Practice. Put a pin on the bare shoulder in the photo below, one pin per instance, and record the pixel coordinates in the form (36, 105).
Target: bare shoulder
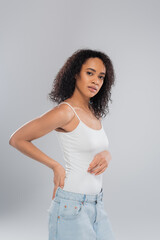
(58, 116)
(55, 118)
(65, 112)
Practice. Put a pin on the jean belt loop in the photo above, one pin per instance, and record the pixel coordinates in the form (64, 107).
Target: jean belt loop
(102, 196)
(84, 198)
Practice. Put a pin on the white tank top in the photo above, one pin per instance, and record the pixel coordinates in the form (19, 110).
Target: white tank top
(79, 148)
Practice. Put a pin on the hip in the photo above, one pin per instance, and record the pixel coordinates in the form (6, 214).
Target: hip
(78, 216)
(83, 183)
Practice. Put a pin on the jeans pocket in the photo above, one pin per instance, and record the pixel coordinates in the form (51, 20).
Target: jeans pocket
(52, 220)
(69, 209)
(52, 206)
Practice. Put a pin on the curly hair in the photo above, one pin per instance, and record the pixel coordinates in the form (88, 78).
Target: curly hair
(64, 83)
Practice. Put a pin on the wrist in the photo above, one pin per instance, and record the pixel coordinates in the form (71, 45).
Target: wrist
(54, 165)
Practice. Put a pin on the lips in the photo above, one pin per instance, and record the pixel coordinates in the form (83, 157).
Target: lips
(93, 88)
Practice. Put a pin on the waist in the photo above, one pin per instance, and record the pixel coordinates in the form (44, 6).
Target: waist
(83, 182)
(61, 193)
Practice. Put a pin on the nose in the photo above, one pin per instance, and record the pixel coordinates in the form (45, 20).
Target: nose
(95, 80)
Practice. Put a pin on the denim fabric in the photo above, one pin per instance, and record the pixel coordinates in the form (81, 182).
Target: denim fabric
(76, 216)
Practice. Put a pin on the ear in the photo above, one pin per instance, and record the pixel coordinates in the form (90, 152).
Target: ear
(76, 76)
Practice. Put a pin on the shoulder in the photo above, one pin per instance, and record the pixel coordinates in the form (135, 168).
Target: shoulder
(65, 110)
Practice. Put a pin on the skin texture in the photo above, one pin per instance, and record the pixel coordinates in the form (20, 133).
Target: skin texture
(62, 118)
(88, 77)
(64, 81)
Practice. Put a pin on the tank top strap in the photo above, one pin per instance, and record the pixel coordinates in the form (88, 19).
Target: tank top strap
(72, 109)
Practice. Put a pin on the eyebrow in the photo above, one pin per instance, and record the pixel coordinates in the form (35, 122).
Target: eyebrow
(95, 70)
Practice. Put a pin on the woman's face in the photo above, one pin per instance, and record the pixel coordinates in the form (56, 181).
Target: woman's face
(91, 77)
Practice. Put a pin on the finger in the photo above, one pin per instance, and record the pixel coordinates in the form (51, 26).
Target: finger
(54, 192)
(94, 169)
(94, 165)
(53, 196)
(97, 166)
(61, 183)
(101, 171)
(98, 169)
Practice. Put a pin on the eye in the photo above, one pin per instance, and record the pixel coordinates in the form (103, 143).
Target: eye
(102, 77)
(92, 73)
(88, 73)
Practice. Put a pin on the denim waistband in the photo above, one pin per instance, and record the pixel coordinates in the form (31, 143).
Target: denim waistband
(60, 193)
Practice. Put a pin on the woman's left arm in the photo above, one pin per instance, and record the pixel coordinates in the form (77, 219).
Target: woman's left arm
(100, 162)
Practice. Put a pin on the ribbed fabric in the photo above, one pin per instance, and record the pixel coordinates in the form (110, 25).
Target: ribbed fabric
(79, 148)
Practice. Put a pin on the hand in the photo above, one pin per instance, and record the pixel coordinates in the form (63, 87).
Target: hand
(100, 162)
(59, 177)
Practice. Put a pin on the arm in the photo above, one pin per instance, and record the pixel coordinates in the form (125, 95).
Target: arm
(100, 162)
(36, 128)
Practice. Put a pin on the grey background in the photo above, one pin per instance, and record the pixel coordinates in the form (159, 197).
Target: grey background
(36, 39)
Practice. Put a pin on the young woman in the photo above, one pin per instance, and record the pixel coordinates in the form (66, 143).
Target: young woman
(82, 89)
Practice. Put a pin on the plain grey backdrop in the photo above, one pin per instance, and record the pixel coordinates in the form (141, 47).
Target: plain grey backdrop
(36, 39)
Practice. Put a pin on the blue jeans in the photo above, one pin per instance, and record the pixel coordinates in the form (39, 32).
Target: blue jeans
(76, 216)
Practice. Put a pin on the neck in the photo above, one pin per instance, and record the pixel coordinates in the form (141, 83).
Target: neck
(80, 101)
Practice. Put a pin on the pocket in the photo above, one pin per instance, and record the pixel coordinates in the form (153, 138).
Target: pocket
(69, 209)
(53, 206)
(52, 220)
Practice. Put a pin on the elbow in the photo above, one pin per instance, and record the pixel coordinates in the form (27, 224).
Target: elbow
(13, 141)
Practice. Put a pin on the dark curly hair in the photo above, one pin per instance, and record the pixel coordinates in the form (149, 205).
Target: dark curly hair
(64, 82)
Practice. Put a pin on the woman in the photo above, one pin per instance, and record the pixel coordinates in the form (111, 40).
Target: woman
(82, 90)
